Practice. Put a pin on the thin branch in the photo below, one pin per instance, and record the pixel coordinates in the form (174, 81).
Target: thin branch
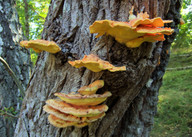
(8, 115)
(182, 55)
(14, 77)
(36, 12)
(179, 68)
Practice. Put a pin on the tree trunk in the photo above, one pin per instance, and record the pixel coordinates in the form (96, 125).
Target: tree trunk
(68, 24)
(17, 58)
(139, 117)
(26, 7)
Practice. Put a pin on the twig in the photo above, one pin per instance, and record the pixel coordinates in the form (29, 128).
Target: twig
(12, 74)
(8, 114)
(179, 68)
(182, 55)
(36, 12)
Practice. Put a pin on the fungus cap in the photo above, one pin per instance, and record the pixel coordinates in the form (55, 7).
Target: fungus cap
(124, 32)
(79, 111)
(61, 115)
(69, 117)
(57, 122)
(41, 45)
(95, 64)
(82, 100)
(91, 88)
(25, 44)
(94, 118)
(150, 38)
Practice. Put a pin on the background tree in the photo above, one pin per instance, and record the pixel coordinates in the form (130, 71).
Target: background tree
(184, 38)
(18, 59)
(67, 24)
(32, 15)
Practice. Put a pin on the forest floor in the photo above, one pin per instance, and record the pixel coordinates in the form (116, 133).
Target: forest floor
(174, 116)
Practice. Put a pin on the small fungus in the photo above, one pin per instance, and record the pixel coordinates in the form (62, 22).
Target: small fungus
(137, 28)
(95, 64)
(41, 45)
(82, 100)
(94, 118)
(91, 88)
(182, 21)
(79, 111)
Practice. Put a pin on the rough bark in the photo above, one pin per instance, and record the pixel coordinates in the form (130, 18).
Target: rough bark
(67, 24)
(17, 58)
(139, 117)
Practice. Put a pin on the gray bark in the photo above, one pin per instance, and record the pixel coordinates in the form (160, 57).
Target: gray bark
(67, 24)
(139, 117)
(17, 58)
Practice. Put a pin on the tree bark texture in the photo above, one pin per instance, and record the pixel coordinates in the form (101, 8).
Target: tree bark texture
(68, 24)
(17, 58)
(139, 117)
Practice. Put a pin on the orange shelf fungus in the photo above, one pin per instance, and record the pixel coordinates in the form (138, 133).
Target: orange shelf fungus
(91, 88)
(138, 28)
(41, 45)
(81, 100)
(60, 123)
(94, 118)
(95, 64)
(69, 117)
(60, 114)
(79, 111)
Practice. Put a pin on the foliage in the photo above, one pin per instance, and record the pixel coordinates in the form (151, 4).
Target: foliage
(33, 56)
(174, 117)
(38, 10)
(37, 13)
(184, 38)
(8, 112)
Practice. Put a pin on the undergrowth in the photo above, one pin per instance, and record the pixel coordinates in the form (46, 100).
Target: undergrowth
(174, 116)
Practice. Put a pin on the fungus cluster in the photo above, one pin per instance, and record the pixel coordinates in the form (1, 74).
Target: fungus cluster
(41, 45)
(77, 109)
(133, 33)
(95, 64)
(86, 106)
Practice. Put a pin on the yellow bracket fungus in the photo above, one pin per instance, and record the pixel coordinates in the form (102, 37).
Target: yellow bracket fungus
(61, 115)
(69, 117)
(91, 88)
(137, 29)
(57, 122)
(82, 100)
(95, 64)
(41, 45)
(79, 111)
